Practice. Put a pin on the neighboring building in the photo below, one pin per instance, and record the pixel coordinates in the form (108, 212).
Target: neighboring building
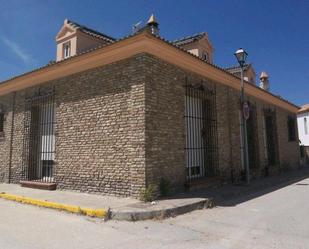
(249, 72)
(114, 116)
(74, 39)
(198, 45)
(303, 130)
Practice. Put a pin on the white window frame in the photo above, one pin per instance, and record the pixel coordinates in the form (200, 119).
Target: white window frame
(66, 50)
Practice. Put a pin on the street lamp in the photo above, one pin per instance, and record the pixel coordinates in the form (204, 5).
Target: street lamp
(241, 56)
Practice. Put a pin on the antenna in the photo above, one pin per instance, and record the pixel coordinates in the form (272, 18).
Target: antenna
(136, 27)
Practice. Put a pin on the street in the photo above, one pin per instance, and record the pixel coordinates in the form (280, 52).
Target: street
(278, 219)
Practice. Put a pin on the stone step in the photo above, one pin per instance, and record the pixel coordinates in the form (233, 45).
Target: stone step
(39, 185)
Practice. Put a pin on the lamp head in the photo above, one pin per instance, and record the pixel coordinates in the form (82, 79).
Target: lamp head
(241, 56)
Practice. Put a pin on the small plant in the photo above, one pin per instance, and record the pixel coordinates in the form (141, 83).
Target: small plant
(149, 194)
(165, 186)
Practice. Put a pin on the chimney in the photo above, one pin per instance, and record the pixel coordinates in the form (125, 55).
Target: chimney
(264, 82)
(153, 25)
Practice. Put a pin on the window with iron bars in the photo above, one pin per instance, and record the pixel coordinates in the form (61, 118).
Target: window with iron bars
(39, 137)
(1, 122)
(201, 132)
(291, 128)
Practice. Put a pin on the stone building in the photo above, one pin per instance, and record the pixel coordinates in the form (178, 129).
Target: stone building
(113, 116)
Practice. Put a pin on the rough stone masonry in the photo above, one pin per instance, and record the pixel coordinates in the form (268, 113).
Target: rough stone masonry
(120, 128)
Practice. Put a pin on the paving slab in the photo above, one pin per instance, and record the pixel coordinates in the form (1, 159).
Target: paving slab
(118, 208)
(132, 209)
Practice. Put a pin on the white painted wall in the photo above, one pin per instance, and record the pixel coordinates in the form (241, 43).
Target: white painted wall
(303, 137)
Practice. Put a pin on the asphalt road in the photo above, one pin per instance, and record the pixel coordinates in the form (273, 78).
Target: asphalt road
(278, 219)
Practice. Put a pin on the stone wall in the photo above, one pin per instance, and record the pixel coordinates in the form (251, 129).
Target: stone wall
(5, 137)
(165, 124)
(165, 128)
(99, 132)
(228, 116)
(289, 151)
(121, 127)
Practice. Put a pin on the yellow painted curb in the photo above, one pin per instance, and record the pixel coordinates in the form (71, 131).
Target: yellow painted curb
(99, 213)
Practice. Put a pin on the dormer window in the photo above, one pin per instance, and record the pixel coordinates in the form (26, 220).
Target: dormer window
(66, 50)
(205, 56)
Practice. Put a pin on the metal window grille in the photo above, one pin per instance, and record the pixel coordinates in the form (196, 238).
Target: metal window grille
(291, 123)
(271, 137)
(39, 138)
(201, 132)
(1, 122)
(253, 140)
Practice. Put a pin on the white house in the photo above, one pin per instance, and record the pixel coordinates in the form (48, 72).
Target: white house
(303, 129)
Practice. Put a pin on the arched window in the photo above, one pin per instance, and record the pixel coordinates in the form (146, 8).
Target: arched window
(205, 56)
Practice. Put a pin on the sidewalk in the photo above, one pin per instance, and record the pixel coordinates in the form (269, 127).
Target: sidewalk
(233, 194)
(116, 208)
(133, 209)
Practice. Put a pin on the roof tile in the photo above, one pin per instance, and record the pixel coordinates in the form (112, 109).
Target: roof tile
(189, 39)
(91, 32)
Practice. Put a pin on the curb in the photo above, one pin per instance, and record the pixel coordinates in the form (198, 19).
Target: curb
(113, 215)
(162, 213)
(98, 213)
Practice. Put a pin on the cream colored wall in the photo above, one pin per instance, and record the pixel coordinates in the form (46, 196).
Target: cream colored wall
(205, 45)
(199, 47)
(193, 48)
(80, 42)
(85, 42)
(251, 76)
(73, 40)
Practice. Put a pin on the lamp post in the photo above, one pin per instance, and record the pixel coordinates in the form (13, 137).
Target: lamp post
(241, 56)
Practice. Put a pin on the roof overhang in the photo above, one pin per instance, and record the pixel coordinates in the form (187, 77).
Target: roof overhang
(143, 42)
(304, 109)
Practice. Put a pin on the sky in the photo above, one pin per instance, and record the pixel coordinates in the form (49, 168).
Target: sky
(275, 33)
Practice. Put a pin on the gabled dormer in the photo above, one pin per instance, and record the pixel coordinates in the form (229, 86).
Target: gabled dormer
(198, 45)
(249, 72)
(73, 39)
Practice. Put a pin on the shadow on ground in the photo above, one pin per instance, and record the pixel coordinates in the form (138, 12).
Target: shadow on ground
(232, 195)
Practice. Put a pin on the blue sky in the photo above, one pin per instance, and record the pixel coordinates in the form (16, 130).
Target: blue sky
(274, 32)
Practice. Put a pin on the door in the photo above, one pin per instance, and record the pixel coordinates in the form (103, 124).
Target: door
(271, 138)
(200, 147)
(252, 138)
(39, 139)
(47, 141)
(195, 153)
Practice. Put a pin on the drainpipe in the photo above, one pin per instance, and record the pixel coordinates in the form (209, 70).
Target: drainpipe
(12, 135)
